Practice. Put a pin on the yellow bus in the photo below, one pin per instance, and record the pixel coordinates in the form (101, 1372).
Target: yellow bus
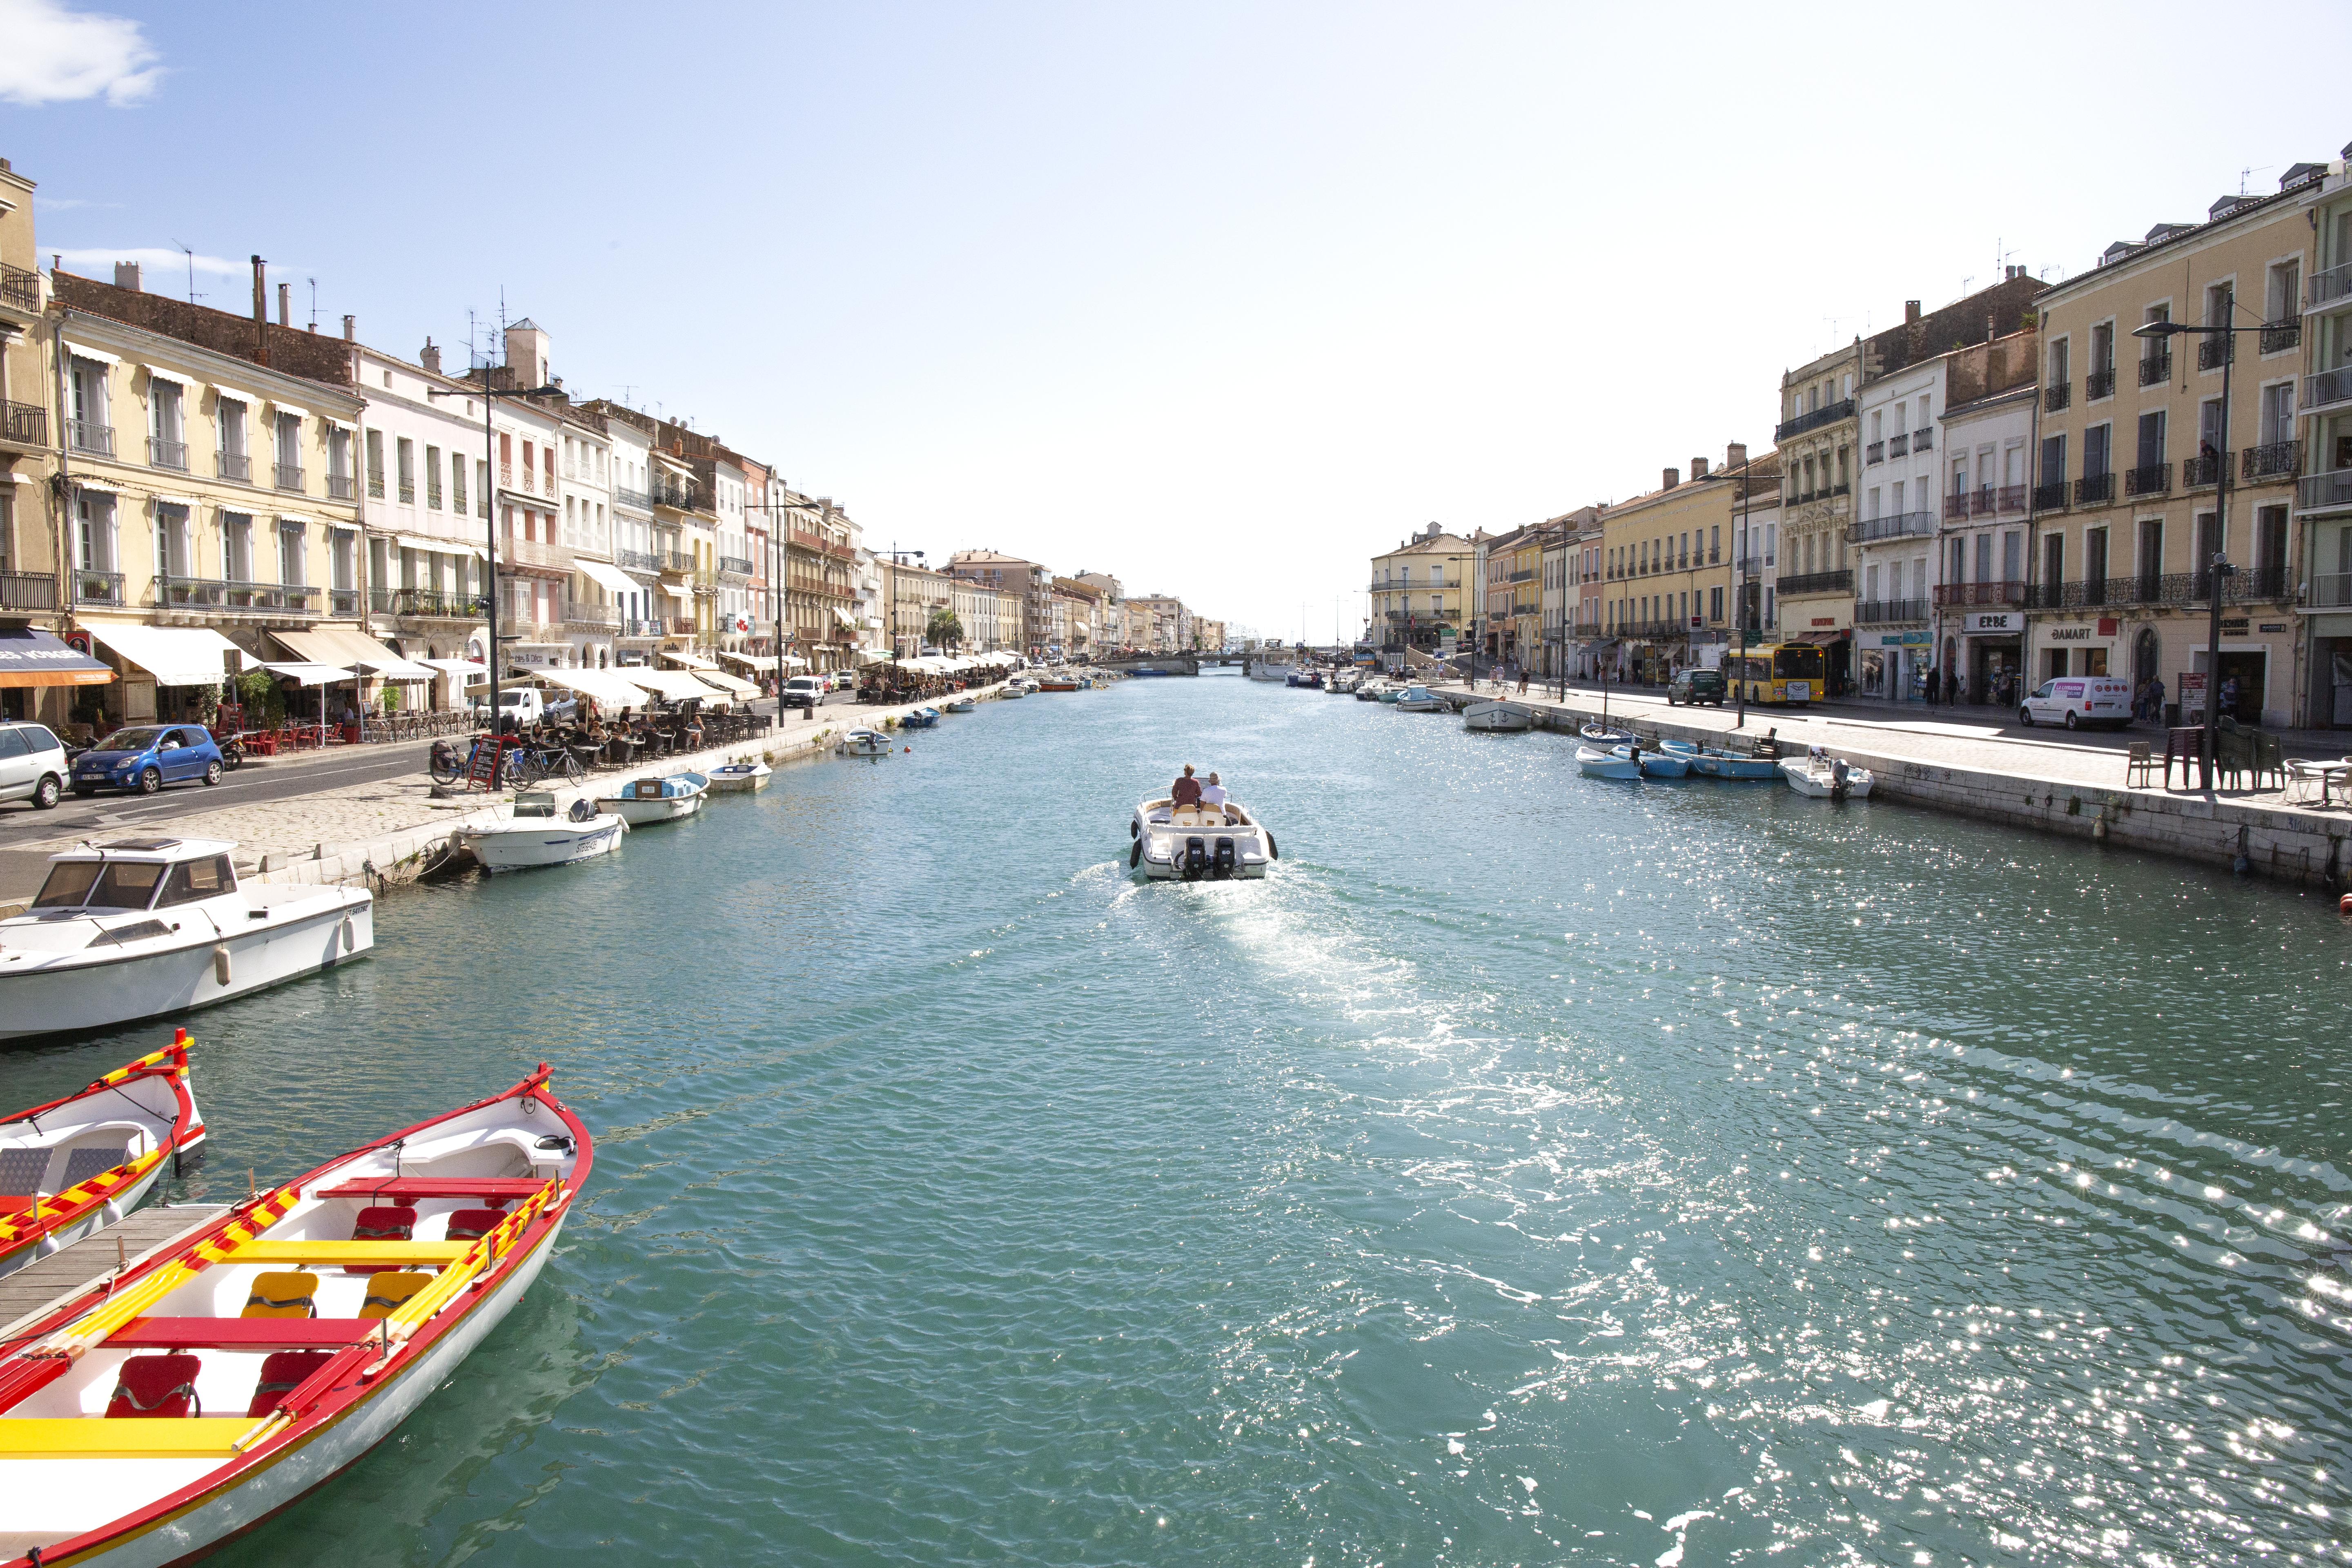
(1779, 673)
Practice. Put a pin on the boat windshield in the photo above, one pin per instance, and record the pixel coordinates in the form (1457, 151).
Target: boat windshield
(131, 740)
(102, 885)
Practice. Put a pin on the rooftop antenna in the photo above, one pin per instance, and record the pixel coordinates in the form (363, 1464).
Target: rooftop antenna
(191, 271)
(2245, 176)
(314, 304)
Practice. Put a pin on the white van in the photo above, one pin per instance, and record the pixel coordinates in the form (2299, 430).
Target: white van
(2078, 700)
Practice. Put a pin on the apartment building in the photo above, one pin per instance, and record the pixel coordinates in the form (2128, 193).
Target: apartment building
(1083, 614)
(1112, 613)
(2323, 494)
(1556, 633)
(2140, 485)
(29, 524)
(1424, 592)
(424, 501)
(1494, 628)
(1757, 484)
(1668, 560)
(914, 594)
(1025, 590)
(976, 610)
(642, 615)
(1587, 588)
(1976, 564)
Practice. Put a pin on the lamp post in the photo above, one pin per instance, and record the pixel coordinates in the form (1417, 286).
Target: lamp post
(779, 585)
(2218, 570)
(1740, 679)
(488, 396)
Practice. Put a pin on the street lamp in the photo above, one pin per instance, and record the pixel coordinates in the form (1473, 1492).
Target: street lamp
(489, 393)
(1740, 677)
(780, 586)
(2218, 570)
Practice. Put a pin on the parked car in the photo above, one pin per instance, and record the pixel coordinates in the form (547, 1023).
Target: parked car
(1697, 686)
(806, 688)
(33, 764)
(2076, 701)
(146, 757)
(844, 680)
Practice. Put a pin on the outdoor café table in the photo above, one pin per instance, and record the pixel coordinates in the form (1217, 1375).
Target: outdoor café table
(2331, 775)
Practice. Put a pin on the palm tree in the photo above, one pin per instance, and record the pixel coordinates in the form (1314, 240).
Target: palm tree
(945, 629)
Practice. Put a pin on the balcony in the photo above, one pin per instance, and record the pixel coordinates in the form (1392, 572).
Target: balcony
(538, 555)
(20, 289)
(1885, 612)
(235, 466)
(2328, 386)
(2201, 473)
(162, 454)
(2257, 585)
(27, 591)
(1898, 446)
(677, 561)
(2095, 489)
(408, 493)
(2051, 497)
(2331, 490)
(339, 487)
(2004, 498)
(1995, 594)
(230, 595)
(375, 487)
(678, 626)
(628, 497)
(83, 435)
(637, 560)
(1923, 440)
(1840, 581)
(588, 617)
(2280, 336)
(96, 587)
(23, 424)
(1901, 525)
(1829, 414)
(2156, 369)
(2332, 591)
(1874, 453)
(2278, 460)
(2215, 351)
(676, 496)
(2099, 383)
(638, 630)
(2057, 396)
(2148, 479)
(425, 605)
(734, 566)
(1840, 489)
(288, 476)
(1955, 507)
(2327, 287)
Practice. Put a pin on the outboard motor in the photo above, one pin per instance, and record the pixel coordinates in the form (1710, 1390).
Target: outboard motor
(1196, 857)
(1224, 861)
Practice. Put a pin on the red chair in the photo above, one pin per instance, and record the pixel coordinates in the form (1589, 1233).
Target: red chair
(383, 1222)
(282, 1373)
(157, 1385)
(472, 1225)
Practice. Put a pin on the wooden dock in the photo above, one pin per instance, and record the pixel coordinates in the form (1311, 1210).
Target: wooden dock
(36, 1289)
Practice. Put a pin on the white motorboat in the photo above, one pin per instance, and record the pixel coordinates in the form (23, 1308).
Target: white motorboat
(741, 778)
(1612, 764)
(136, 928)
(539, 834)
(960, 705)
(1198, 843)
(644, 801)
(1497, 717)
(1821, 778)
(1013, 689)
(875, 743)
(80, 1163)
(1420, 700)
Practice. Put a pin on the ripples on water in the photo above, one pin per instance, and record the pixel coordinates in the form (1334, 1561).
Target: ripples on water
(1533, 1169)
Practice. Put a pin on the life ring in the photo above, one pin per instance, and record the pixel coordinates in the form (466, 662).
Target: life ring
(1135, 856)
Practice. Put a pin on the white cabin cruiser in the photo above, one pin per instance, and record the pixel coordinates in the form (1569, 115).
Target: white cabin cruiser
(1820, 777)
(874, 742)
(136, 928)
(642, 800)
(1493, 716)
(537, 834)
(1198, 843)
(741, 778)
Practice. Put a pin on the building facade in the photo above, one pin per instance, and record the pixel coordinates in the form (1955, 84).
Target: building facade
(2324, 492)
(31, 520)
(1980, 555)
(1669, 565)
(1425, 592)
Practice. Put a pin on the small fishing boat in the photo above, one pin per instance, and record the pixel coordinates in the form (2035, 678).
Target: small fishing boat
(539, 835)
(1496, 717)
(1607, 735)
(1710, 761)
(1198, 843)
(1655, 764)
(1598, 763)
(864, 744)
(921, 719)
(1058, 683)
(1013, 688)
(1420, 700)
(166, 1409)
(135, 928)
(1371, 689)
(645, 801)
(76, 1165)
(1821, 778)
(962, 705)
(741, 778)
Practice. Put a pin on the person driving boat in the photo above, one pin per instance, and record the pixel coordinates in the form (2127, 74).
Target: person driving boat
(1186, 791)
(1214, 792)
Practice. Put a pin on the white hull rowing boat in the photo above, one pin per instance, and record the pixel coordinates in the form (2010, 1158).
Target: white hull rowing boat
(1600, 765)
(875, 743)
(1813, 778)
(1494, 717)
(77, 1164)
(644, 801)
(112, 937)
(526, 843)
(741, 778)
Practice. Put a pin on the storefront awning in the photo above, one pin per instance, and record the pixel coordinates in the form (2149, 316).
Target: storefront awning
(467, 671)
(732, 685)
(682, 594)
(424, 545)
(688, 660)
(30, 657)
(344, 646)
(612, 579)
(873, 655)
(675, 684)
(608, 688)
(307, 674)
(174, 656)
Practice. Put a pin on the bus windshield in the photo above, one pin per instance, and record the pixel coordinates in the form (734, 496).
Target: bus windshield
(1797, 661)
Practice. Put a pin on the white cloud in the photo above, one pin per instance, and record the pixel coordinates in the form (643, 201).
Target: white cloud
(58, 55)
(68, 203)
(155, 260)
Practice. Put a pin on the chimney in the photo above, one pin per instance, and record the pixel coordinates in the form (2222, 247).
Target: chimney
(260, 310)
(285, 305)
(1735, 454)
(1674, 477)
(1698, 467)
(1910, 312)
(430, 358)
(126, 276)
(350, 328)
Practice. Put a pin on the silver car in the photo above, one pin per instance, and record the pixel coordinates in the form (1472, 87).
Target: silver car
(32, 764)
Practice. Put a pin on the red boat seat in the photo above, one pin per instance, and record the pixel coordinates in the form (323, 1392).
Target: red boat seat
(281, 1374)
(157, 1385)
(492, 1190)
(390, 1290)
(382, 1222)
(472, 1225)
(283, 1296)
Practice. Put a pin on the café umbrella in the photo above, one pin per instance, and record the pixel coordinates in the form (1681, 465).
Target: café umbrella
(319, 675)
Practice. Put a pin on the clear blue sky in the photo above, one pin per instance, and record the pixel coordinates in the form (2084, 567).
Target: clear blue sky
(1220, 299)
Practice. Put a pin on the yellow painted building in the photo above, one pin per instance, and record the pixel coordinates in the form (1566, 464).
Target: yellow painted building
(1667, 569)
(1422, 592)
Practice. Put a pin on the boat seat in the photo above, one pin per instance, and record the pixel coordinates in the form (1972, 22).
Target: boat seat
(492, 1190)
(282, 1373)
(283, 1296)
(21, 1171)
(81, 1164)
(388, 1292)
(472, 1225)
(382, 1222)
(157, 1385)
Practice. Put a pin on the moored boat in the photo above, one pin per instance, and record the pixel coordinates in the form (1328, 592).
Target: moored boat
(962, 705)
(1823, 778)
(168, 1407)
(1058, 683)
(873, 743)
(1597, 763)
(1013, 689)
(1198, 843)
(1656, 764)
(135, 928)
(539, 834)
(1420, 700)
(81, 1163)
(1608, 735)
(741, 778)
(1494, 716)
(920, 718)
(649, 800)
(1710, 761)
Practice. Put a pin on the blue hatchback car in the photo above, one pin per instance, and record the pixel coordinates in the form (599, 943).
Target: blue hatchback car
(146, 757)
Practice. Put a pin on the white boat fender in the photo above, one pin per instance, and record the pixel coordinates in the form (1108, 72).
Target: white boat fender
(220, 963)
(351, 939)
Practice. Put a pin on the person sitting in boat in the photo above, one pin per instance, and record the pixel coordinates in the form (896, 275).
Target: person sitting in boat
(1186, 791)
(1214, 792)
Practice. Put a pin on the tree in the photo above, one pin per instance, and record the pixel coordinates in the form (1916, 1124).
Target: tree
(945, 629)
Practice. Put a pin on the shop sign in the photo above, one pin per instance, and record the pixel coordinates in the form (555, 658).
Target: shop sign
(1902, 639)
(2190, 685)
(1825, 620)
(2068, 634)
(2274, 625)
(2234, 628)
(1983, 621)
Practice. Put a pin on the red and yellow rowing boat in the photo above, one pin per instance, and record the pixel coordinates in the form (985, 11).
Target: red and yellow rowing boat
(77, 1164)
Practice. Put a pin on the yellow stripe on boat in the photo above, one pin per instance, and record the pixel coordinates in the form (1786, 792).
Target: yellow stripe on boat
(352, 1252)
(418, 1309)
(96, 1437)
(124, 1306)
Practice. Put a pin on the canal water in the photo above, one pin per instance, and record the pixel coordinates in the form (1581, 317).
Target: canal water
(1533, 1169)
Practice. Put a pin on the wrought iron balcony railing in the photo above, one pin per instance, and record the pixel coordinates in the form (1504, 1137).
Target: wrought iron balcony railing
(2051, 497)
(2148, 479)
(1874, 453)
(2280, 336)
(2156, 369)
(2217, 350)
(1950, 595)
(427, 604)
(89, 436)
(289, 475)
(2278, 460)
(27, 591)
(593, 617)
(1898, 446)
(97, 587)
(1901, 525)
(734, 565)
(230, 595)
(2092, 489)
(1828, 414)
(237, 466)
(1956, 505)
(25, 424)
(635, 498)
(375, 487)
(2099, 383)
(640, 559)
(20, 287)
(1923, 440)
(2201, 472)
(1840, 581)
(2246, 586)
(2057, 396)
(339, 487)
(162, 454)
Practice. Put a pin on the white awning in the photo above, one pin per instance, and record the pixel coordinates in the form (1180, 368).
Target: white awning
(873, 655)
(99, 485)
(233, 394)
(674, 684)
(690, 661)
(683, 595)
(794, 661)
(466, 670)
(747, 660)
(174, 656)
(397, 669)
(609, 688)
(295, 517)
(173, 376)
(612, 577)
(310, 674)
(844, 617)
(349, 645)
(424, 545)
(188, 501)
(733, 685)
(284, 407)
(100, 355)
